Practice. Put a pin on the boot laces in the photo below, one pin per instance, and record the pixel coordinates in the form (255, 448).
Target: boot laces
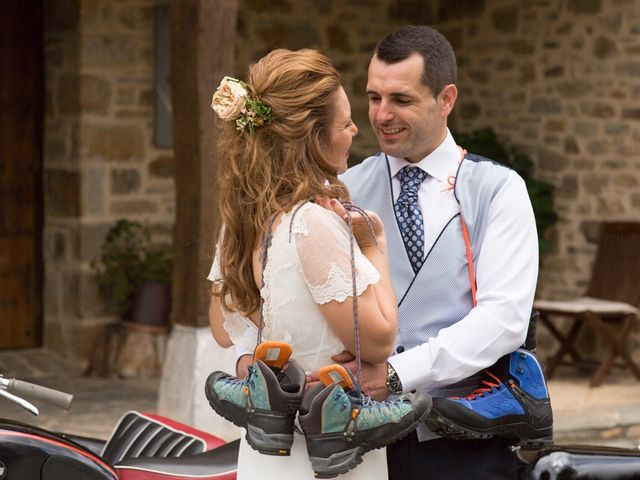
(485, 387)
(235, 382)
(366, 402)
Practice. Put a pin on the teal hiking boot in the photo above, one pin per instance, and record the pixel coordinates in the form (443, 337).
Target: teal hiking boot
(341, 424)
(265, 402)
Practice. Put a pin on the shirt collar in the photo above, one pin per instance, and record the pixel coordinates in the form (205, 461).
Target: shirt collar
(440, 164)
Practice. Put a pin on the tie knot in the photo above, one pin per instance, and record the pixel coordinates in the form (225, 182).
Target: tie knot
(411, 177)
(410, 180)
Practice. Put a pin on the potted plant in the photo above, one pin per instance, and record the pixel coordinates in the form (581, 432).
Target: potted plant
(152, 299)
(134, 274)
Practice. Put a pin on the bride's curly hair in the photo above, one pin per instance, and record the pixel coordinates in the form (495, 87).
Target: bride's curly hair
(278, 165)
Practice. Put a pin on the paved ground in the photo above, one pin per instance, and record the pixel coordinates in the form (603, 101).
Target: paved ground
(98, 402)
(608, 415)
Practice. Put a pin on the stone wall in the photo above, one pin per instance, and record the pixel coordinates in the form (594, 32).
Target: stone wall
(561, 81)
(100, 160)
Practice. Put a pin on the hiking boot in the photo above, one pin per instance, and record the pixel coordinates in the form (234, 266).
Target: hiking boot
(265, 402)
(341, 424)
(512, 402)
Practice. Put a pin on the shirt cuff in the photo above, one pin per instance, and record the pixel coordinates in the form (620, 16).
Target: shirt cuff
(407, 366)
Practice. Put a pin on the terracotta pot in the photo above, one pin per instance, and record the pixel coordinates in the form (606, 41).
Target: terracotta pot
(152, 304)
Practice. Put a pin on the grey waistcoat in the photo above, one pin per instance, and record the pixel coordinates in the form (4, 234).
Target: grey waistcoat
(439, 295)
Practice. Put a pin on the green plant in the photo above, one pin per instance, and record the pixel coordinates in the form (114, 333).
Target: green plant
(485, 142)
(156, 266)
(127, 260)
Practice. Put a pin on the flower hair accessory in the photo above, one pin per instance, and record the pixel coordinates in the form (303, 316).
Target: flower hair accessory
(232, 101)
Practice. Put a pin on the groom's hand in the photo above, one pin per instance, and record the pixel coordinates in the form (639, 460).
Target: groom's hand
(374, 375)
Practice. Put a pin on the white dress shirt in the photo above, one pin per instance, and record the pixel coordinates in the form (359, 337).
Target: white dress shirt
(506, 276)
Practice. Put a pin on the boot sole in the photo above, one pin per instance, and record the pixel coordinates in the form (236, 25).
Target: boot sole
(341, 462)
(278, 444)
(521, 434)
(233, 413)
(337, 464)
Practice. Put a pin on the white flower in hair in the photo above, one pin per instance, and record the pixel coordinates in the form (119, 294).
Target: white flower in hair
(229, 99)
(232, 101)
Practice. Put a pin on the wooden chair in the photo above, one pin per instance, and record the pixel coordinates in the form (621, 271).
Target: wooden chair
(610, 307)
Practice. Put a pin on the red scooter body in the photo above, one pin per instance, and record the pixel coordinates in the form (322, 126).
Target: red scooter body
(142, 446)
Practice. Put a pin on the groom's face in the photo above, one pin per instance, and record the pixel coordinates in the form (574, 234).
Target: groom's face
(407, 119)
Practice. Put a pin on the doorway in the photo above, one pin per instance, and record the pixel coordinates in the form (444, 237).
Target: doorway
(21, 134)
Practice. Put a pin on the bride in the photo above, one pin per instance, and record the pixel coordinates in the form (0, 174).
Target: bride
(286, 137)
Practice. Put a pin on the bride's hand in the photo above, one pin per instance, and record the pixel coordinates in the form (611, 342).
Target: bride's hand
(361, 229)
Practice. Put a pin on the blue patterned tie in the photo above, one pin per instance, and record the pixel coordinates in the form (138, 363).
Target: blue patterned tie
(409, 215)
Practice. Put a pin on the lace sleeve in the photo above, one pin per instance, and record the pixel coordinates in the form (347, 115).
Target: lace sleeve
(242, 331)
(322, 240)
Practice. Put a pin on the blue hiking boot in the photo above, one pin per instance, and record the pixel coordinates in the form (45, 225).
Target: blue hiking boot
(512, 402)
(340, 424)
(265, 402)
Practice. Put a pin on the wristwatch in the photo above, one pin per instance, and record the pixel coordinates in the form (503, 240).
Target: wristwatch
(393, 381)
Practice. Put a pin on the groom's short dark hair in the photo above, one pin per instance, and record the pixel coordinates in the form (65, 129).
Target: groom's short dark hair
(440, 67)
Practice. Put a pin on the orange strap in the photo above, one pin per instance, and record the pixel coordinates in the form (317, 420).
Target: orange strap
(467, 245)
(472, 273)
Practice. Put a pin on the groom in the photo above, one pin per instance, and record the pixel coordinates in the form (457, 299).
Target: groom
(439, 208)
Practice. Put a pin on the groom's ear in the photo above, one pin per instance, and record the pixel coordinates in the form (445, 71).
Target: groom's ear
(447, 99)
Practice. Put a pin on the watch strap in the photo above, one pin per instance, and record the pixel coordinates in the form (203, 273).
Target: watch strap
(394, 385)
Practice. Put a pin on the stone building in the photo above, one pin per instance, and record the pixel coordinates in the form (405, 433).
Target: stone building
(559, 79)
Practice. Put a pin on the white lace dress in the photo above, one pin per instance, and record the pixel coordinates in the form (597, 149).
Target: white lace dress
(309, 264)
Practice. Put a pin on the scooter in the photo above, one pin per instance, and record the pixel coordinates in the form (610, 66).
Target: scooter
(142, 446)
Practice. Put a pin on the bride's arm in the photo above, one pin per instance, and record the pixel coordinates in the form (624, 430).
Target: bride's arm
(324, 251)
(377, 331)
